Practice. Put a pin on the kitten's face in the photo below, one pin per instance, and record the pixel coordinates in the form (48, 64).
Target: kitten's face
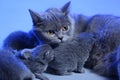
(53, 26)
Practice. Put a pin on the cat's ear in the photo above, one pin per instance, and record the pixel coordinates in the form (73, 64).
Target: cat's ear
(66, 8)
(35, 17)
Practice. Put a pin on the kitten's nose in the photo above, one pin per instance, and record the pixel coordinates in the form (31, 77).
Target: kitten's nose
(60, 38)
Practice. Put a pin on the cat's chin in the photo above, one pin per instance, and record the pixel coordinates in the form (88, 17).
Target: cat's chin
(56, 42)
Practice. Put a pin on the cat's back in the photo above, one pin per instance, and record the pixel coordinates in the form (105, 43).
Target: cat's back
(18, 40)
(100, 22)
(105, 27)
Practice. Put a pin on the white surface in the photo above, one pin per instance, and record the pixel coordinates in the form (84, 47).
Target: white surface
(88, 75)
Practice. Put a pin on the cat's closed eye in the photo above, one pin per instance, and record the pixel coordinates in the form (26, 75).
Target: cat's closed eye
(65, 28)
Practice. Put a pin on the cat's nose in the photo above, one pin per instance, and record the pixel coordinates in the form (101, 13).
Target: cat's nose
(60, 38)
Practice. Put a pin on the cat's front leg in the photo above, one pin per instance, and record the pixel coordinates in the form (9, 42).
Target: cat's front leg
(80, 68)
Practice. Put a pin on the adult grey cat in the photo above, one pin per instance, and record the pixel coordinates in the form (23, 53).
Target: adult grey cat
(12, 68)
(106, 28)
(56, 26)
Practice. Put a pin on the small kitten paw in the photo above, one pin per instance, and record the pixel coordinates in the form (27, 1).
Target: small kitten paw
(41, 76)
(67, 73)
(80, 71)
(26, 53)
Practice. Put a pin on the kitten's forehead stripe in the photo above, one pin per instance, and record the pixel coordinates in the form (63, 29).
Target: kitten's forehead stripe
(55, 19)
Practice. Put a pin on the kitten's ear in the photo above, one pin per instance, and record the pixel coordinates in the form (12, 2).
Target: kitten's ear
(35, 17)
(66, 8)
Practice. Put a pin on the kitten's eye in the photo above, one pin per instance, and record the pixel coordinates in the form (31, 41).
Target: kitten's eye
(65, 28)
(50, 32)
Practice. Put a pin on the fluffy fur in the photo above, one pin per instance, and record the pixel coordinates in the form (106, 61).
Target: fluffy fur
(19, 40)
(106, 28)
(71, 56)
(53, 26)
(37, 59)
(12, 68)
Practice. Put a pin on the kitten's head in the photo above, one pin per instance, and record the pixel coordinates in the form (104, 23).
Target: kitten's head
(54, 25)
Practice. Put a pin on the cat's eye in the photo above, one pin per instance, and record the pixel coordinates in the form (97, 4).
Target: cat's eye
(50, 32)
(65, 28)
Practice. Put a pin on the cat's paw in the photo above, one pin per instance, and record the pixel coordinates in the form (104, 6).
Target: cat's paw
(41, 76)
(67, 73)
(80, 70)
(56, 71)
(26, 53)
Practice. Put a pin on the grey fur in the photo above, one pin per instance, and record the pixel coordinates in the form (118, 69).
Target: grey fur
(110, 66)
(106, 28)
(37, 59)
(53, 20)
(118, 62)
(12, 68)
(17, 40)
(71, 56)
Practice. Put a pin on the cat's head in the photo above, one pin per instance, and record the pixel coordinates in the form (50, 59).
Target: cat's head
(54, 25)
(41, 57)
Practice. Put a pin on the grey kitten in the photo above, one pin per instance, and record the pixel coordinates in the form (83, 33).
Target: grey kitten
(11, 68)
(37, 59)
(53, 26)
(72, 55)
